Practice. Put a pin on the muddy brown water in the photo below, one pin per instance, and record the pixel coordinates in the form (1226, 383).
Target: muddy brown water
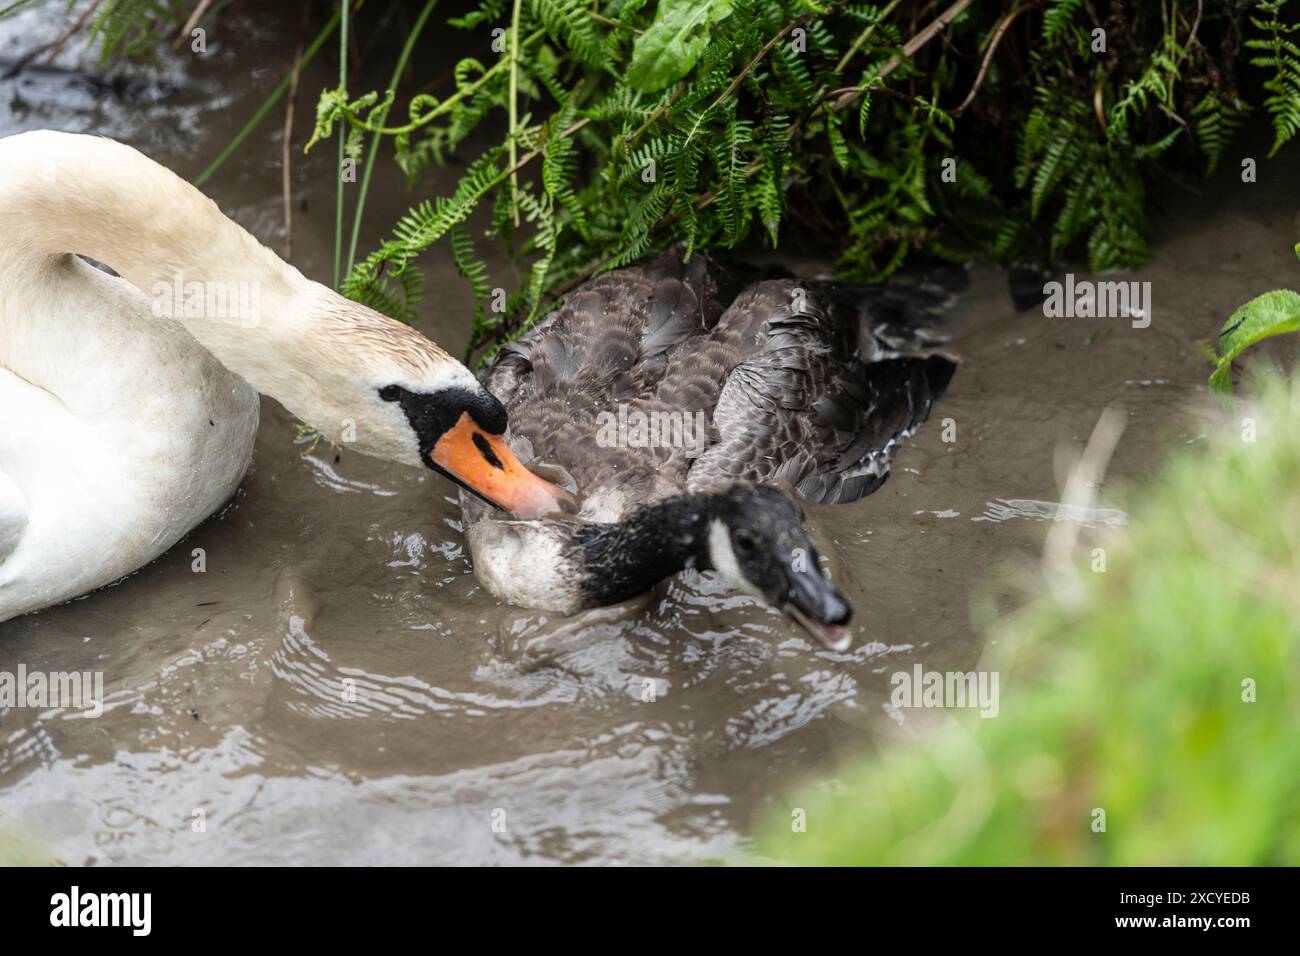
(336, 688)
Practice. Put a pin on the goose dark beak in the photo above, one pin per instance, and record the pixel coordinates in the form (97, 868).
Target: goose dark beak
(818, 605)
(484, 464)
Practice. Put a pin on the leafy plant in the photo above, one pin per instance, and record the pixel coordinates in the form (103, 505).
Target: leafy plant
(134, 28)
(1267, 315)
(713, 123)
(673, 43)
(1277, 52)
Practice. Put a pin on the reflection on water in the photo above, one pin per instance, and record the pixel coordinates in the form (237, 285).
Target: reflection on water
(336, 688)
(1008, 509)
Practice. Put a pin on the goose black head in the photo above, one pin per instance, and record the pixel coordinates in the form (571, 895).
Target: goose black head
(758, 542)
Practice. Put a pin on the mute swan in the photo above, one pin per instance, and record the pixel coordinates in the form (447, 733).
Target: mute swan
(801, 383)
(128, 406)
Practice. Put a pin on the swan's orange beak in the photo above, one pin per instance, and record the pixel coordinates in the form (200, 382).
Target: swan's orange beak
(486, 466)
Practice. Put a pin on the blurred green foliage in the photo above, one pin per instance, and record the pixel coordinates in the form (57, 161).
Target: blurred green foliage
(1134, 700)
(17, 850)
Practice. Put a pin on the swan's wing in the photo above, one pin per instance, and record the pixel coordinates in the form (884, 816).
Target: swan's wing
(13, 504)
(13, 516)
(820, 395)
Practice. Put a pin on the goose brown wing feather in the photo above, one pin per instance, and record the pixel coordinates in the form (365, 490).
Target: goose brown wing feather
(810, 402)
(611, 343)
(798, 381)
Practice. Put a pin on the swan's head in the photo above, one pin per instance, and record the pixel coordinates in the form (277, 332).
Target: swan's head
(382, 388)
(758, 543)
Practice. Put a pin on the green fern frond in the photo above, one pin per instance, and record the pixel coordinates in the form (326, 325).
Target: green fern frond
(132, 28)
(1058, 17)
(1281, 55)
(1154, 85)
(540, 212)
(560, 167)
(729, 157)
(471, 268)
(570, 22)
(489, 11)
(1217, 118)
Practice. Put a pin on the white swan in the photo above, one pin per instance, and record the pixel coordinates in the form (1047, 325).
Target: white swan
(128, 406)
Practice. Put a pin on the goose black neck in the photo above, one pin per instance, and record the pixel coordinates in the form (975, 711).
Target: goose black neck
(631, 556)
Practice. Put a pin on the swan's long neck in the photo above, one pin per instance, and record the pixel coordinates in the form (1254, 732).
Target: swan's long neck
(63, 193)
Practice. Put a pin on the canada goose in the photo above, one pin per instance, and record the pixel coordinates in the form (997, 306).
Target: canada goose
(799, 383)
(128, 406)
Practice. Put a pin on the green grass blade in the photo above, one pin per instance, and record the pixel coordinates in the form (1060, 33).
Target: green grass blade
(379, 121)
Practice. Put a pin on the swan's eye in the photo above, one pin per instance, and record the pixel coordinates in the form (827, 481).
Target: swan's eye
(390, 393)
(744, 541)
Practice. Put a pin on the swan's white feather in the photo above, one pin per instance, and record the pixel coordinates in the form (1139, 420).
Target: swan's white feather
(146, 437)
(122, 424)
